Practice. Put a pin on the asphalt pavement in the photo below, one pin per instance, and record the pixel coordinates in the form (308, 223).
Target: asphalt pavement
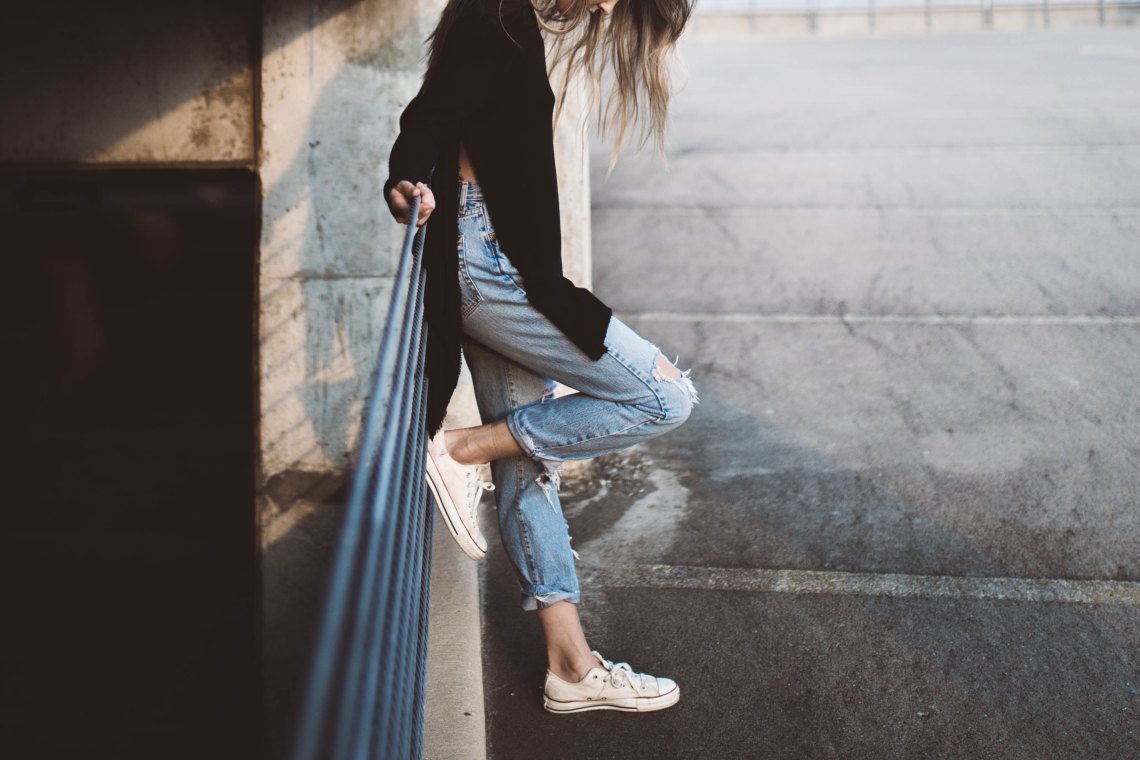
(903, 521)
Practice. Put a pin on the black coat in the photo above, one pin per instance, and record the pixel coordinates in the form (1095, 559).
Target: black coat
(490, 91)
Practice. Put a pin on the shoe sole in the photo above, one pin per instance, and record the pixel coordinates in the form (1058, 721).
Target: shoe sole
(630, 704)
(450, 514)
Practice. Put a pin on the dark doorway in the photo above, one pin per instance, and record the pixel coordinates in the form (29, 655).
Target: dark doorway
(129, 537)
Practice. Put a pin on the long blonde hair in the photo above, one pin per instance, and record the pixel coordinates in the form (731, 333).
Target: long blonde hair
(636, 41)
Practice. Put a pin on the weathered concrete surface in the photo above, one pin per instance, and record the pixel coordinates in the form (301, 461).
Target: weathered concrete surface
(295, 567)
(128, 82)
(963, 450)
(886, 262)
(455, 723)
(904, 273)
(332, 91)
(767, 675)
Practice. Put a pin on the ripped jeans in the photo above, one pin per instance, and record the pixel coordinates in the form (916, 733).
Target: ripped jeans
(515, 355)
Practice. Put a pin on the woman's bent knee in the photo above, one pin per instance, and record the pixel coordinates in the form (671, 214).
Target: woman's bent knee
(679, 395)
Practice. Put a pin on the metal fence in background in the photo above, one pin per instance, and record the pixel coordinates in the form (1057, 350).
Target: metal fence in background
(768, 6)
(365, 693)
(1030, 13)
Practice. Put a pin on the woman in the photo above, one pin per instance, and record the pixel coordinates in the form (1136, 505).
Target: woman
(477, 139)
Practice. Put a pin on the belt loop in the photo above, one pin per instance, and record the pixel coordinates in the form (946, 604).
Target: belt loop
(462, 195)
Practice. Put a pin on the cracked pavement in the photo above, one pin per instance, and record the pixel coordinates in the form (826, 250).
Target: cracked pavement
(905, 272)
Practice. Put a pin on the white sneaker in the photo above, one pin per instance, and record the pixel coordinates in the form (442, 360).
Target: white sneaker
(457, 489)
(610, 687)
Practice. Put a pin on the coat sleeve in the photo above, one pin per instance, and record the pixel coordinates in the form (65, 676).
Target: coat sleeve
(470, 60)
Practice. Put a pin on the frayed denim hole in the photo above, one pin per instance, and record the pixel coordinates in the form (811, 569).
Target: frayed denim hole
(682, 379)
(549, 479)
(548, 393)
(645, 377)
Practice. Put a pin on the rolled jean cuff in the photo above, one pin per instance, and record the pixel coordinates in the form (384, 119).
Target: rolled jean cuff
(538, 599)
(523, 438)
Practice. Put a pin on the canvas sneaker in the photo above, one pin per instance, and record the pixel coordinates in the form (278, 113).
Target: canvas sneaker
(610, 687)
(457, 489)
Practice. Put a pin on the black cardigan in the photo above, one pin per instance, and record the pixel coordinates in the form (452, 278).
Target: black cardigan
(490, 91)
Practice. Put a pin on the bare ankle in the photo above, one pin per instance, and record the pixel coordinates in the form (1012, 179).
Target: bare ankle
(458, 446)
(572, 670)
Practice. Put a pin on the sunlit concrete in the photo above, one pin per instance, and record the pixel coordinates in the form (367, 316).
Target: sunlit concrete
(122, 82)
(901, 523)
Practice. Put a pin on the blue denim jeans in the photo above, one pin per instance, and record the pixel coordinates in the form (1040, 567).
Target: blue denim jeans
(515, 355)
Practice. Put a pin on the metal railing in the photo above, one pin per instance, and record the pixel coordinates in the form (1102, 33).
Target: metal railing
(365, 693)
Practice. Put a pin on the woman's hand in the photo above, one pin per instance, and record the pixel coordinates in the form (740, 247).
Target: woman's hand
(400, 201)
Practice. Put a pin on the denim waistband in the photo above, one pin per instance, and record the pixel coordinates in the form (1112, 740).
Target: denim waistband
(470, 194)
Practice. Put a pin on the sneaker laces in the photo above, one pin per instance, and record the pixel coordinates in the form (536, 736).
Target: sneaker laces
(474, 483)
(621, 674)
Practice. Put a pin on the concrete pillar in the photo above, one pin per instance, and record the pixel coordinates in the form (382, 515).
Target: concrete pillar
(333, 86)
(572, 154)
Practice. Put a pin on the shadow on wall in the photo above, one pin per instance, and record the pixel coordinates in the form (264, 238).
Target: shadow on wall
(329, 250)
(128, 81)
(328, 242)
(130, 573)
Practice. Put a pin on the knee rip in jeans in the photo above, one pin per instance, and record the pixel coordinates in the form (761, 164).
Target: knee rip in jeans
(664, 370)
(549, 478)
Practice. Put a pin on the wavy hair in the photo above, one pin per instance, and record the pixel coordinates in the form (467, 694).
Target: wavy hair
(634, 43)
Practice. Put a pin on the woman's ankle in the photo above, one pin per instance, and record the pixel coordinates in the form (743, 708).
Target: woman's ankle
(481, 444)
(458, 443)
(571, 670)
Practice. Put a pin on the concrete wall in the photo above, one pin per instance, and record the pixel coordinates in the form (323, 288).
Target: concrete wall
(332, 90)
(128, 82)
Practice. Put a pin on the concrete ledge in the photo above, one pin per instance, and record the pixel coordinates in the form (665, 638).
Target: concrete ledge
(455, 725)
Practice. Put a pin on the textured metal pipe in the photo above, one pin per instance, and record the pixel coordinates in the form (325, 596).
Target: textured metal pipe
(365, 689)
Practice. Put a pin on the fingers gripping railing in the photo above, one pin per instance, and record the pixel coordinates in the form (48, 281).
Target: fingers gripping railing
(365, 693)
